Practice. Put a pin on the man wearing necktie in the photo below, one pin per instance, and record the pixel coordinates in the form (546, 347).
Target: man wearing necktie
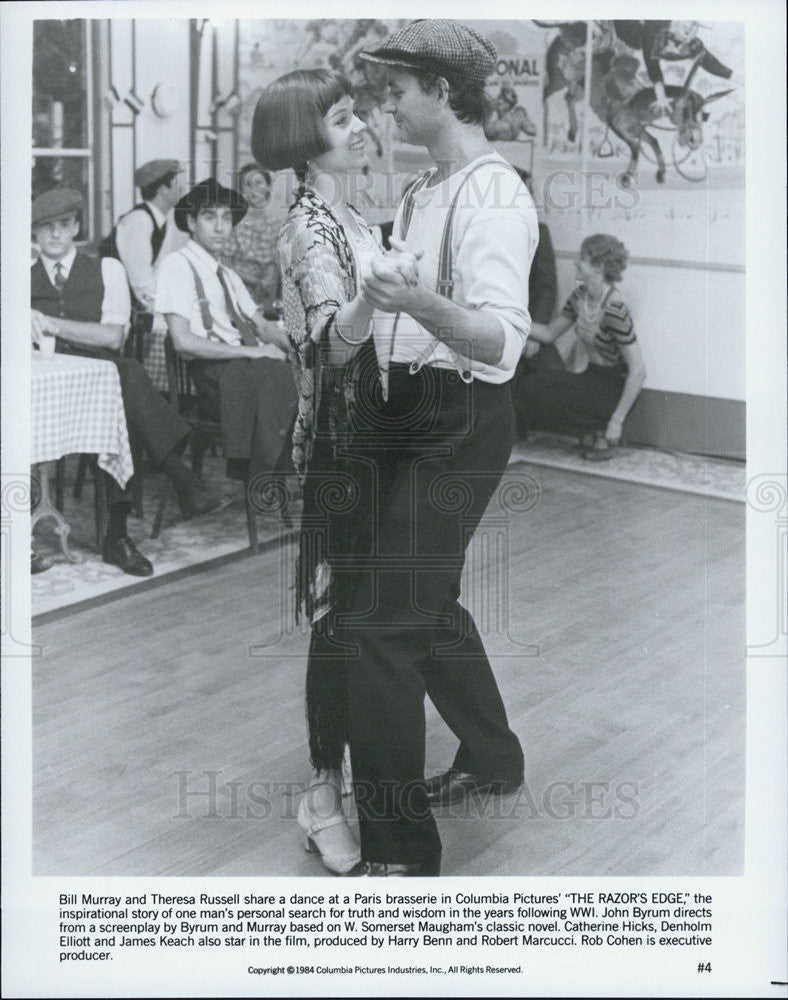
(236, 358)
(84, 303)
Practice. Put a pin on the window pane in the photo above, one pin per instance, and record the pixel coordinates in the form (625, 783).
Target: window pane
(59, 84)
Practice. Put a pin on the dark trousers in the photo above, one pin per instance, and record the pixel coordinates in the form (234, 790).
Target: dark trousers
(255, 401)
(424, 465)
(151, 421)
(567, 402)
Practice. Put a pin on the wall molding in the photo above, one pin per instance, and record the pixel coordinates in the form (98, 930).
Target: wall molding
(684, 265)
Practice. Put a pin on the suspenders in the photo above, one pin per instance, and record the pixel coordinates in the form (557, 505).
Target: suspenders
(407, 210)
(205, 309)
(445, 282)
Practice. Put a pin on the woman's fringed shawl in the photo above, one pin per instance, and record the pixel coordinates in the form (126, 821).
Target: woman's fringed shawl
(318, 276)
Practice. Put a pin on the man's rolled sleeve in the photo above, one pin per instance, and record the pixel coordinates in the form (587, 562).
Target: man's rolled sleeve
(494, 260)
(175, 287)
(133, 239)
(116, 304)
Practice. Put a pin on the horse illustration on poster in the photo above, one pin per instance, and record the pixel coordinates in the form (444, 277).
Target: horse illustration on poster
(628, 92)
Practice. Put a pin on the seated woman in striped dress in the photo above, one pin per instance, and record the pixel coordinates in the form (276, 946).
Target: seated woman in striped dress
(593, 403)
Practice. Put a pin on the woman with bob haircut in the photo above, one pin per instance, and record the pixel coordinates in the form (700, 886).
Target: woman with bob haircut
(305, 120)
(593, 403)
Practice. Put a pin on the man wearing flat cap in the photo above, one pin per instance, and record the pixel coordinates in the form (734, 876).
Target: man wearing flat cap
(145, 234)
(236, 358)
(447, 347)
(142, 238)
(84, 303)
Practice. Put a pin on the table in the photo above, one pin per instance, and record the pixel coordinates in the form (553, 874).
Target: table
(76, 406)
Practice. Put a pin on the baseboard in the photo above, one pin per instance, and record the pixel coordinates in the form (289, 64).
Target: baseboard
(675, 421)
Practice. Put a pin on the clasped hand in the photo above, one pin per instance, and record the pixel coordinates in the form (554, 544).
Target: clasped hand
(393, 278)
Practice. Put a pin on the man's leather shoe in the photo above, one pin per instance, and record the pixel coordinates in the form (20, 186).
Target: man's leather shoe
(125, 554)
(39, 563)
(379, 869)
(454, 786)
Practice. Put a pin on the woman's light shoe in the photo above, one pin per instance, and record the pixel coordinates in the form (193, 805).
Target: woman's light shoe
(340, 864)
(429, 867)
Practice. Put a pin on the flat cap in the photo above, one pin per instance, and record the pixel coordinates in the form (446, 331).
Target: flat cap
(154, 170)
(437, 45)
(208, 192)
(54, 203)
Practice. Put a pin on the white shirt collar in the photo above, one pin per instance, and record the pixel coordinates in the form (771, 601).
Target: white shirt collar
(202, 255)
(158, 215)
(65, 262)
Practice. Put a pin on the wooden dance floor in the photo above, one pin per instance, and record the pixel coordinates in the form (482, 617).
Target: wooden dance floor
(168, 726)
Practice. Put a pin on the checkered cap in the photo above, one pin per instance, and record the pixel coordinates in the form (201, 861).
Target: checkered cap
(437, 45)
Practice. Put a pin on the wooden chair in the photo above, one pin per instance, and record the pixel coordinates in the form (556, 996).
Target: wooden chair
(205, 434)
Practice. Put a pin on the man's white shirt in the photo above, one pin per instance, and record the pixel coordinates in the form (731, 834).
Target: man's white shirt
(494, 237)
(133, 238)
(176, 292)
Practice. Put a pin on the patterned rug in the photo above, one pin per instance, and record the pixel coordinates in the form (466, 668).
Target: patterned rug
(712, 477)
(180, 545)
(223, 533)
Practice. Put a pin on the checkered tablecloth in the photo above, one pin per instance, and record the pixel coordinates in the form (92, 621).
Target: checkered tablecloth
(77, 406)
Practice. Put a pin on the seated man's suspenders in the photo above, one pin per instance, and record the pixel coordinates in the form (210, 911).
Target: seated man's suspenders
(254, 400)
(242, 323)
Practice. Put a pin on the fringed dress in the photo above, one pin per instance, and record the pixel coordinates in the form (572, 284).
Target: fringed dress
(319, 265)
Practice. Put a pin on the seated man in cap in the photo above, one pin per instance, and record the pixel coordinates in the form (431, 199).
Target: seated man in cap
(144, 235)
(237, 356)
(84, 303)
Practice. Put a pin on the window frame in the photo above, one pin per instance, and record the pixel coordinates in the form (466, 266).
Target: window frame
(88, 154)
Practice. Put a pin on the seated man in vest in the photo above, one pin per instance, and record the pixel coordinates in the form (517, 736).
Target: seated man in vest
(145, 235)
(84, 303)
(237, 357)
